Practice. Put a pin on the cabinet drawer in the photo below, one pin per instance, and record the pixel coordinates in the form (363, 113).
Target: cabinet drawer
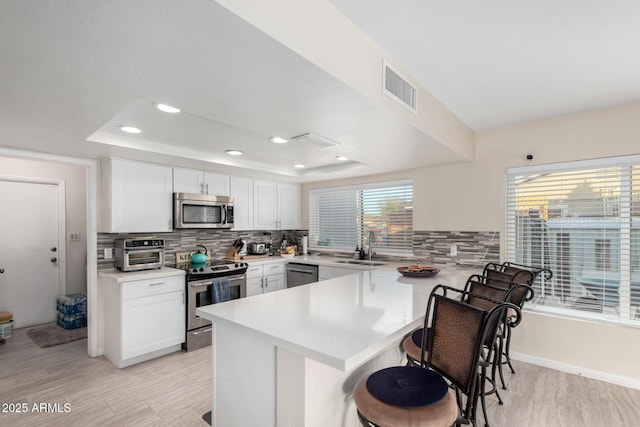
(269, 269)
(254, 271)
(146, 287)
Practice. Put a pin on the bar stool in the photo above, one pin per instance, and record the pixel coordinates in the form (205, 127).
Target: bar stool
(420, 395)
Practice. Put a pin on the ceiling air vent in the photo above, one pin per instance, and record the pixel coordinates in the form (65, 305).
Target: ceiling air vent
(398, 88)
(315, 140)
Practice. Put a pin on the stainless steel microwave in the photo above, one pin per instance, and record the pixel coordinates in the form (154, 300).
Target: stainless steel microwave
(202, 211)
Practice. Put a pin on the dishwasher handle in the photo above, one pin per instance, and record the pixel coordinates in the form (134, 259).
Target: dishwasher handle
(297, 270)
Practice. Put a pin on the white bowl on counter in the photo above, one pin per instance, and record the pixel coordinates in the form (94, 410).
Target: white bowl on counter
(288, 256)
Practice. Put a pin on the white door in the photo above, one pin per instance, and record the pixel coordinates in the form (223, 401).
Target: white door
(29, 282)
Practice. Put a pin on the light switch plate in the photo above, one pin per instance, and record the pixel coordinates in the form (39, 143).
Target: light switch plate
(73, 236)
(108, 253)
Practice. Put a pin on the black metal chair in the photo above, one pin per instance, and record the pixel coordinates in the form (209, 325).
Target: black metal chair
(510, 274)
(420, 395)
(475, 286)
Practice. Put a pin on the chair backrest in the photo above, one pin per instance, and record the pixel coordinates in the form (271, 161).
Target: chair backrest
(536, 271)
(501, 279)
(476, 290)
(458, 333)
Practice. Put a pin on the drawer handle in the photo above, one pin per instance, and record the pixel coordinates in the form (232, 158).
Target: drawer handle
(156, 284)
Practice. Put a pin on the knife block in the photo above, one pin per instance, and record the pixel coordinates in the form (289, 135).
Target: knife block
(232, 255)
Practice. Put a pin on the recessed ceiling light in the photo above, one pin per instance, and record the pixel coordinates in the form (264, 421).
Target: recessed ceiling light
(298, 166)
(234, 152)
(167, 108)
(342, 158)
(130, 129)
(277, 140)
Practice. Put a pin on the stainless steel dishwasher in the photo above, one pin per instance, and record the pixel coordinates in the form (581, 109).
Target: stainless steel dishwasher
(301, 274)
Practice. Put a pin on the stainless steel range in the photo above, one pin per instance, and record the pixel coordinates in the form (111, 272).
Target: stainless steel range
(200, 280)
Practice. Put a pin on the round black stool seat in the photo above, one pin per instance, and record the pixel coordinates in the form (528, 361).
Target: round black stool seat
(416, 337)
(407, 386)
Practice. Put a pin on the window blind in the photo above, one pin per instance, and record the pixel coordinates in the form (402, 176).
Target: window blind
(581, 222)
(341, 218)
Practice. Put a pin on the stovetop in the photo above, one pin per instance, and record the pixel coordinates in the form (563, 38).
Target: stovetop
(212, 268)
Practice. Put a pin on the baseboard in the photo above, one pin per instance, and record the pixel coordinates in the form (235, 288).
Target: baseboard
(577, 370)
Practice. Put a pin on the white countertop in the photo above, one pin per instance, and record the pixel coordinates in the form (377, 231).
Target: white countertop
(126, 276)
(340, 322)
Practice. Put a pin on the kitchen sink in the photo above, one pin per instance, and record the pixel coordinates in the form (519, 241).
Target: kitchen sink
(360, 262)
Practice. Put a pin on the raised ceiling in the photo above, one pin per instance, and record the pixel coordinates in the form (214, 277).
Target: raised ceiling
(73, 71)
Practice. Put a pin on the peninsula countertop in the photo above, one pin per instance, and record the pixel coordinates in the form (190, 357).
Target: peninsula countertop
(341, 322)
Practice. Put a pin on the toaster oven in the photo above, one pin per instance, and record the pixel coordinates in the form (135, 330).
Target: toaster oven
(139, 254)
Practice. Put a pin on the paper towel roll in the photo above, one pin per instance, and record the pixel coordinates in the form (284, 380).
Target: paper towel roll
(305, 243)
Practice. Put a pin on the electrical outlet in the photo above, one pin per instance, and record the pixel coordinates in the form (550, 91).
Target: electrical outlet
(108, 253)
(453, 250)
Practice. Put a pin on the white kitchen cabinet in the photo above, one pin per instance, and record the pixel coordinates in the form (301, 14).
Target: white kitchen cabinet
(242, 193)
(263, 278)
(143, 317)
(200, 182)
(273, 277)
(326, 272)
(288, 206)
(276, 205)
(136, 197)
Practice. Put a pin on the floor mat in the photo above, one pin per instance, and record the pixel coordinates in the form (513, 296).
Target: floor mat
(52, 334)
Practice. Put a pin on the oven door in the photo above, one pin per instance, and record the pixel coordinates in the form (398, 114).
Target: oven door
(200, 294)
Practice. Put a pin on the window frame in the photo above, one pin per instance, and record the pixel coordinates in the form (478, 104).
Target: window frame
(359, 220)
(626, 164)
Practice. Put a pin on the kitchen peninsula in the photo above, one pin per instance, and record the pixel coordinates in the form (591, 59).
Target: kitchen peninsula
(293, 357)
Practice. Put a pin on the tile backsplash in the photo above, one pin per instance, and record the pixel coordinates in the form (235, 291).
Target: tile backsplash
(217, 242)
(474, 248)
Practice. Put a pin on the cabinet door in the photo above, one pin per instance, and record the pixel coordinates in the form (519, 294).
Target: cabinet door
(152, 323)
(254, 286)
(139, 196)
(187, 181)
(216, 184)
(274, 282)
(242, 192)
(289, 206)
(265, 208)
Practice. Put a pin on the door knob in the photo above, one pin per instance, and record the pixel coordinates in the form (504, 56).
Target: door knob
(53, 249)
(54, 259)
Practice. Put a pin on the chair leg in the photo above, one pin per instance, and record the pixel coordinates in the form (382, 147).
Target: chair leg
(506, 350)
(498, 355)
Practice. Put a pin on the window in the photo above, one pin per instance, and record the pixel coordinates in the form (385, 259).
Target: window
(341, 218)
(582, 221)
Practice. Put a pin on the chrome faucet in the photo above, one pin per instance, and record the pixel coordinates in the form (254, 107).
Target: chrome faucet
(372, 240)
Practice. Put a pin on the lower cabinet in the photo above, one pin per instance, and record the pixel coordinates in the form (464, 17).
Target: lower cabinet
(263, 278)
(143, 318)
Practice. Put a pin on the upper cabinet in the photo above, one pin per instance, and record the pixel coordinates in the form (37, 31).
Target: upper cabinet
(288, 206)
(136, 197)
(242, 193)
(276, 205)
(199, 182)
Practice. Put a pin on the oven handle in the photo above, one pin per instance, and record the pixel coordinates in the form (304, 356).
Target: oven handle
(208, 282)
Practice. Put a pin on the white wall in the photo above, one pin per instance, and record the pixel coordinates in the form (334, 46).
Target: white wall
(470, 197)
(75, 178)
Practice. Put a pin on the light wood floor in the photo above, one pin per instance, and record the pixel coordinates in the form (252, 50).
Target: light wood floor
(175, 390)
